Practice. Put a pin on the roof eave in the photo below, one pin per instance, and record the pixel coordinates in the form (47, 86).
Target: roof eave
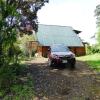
(77, 31)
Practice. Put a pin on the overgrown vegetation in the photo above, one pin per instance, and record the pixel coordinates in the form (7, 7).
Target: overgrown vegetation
(92, 60)
(97, 14)
(16, 83)
(26, 47)
(93, 49)
(17, 17)
(93, 52)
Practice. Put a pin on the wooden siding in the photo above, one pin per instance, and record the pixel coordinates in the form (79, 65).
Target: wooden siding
(32, 44)
(39, 50)
(43, 50)
(79, 51)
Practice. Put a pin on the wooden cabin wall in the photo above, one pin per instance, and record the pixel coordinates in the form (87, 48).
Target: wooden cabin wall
(79, 51)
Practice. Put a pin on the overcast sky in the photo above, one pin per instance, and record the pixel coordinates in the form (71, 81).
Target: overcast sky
(76, 13)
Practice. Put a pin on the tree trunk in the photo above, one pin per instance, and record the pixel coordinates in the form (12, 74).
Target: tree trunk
(1, 55)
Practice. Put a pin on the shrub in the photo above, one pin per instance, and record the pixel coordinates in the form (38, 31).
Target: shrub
(7, 78)
(93, 49)
(12, 87)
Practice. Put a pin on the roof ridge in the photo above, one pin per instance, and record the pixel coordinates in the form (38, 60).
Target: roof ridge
(56, 25)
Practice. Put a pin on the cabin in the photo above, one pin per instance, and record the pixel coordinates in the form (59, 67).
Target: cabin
(55, 34)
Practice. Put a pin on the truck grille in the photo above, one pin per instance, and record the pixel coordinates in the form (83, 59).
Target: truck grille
(65, 58)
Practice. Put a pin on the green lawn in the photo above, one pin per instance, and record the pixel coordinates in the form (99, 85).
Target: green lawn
(92, 60)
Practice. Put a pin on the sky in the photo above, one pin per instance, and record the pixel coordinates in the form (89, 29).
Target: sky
(78, 14)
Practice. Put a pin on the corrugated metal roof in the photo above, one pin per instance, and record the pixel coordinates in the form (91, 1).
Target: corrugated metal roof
(53, 34)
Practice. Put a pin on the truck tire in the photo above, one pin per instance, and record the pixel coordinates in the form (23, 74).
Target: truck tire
(49, 63)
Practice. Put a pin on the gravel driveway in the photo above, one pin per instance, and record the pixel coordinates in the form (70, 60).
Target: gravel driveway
(64, 84)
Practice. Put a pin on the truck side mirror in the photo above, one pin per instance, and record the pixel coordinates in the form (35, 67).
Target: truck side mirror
(48, 49)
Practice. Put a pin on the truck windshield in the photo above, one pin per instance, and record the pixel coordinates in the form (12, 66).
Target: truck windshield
(59, 48)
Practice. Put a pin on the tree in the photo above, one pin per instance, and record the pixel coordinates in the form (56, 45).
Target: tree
(16, 15)
(97, 14)
(27, 10)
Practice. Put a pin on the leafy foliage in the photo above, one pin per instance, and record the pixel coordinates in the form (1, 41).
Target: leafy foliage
(97, 14)
(21, 13)
(16, 16)
(24, 44)
(15, 83)
(98, 35)
(93, 49)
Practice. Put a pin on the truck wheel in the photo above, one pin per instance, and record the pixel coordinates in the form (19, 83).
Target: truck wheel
(50, 63)
(72, 65)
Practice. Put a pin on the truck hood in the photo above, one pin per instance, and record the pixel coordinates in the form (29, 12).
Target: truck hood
(62, 53)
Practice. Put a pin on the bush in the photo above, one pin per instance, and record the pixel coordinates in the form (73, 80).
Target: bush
(7, 77)
(14, 52)
(33, 52)
(12, 87)
(93, 49)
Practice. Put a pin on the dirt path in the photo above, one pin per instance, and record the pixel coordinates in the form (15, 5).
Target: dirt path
(64, 84)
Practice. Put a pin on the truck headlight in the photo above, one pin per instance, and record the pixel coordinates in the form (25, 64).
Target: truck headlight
(55, 56)
(72, 55)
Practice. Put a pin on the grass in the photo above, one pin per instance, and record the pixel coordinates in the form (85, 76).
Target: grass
(92, 60)
(16, 83)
